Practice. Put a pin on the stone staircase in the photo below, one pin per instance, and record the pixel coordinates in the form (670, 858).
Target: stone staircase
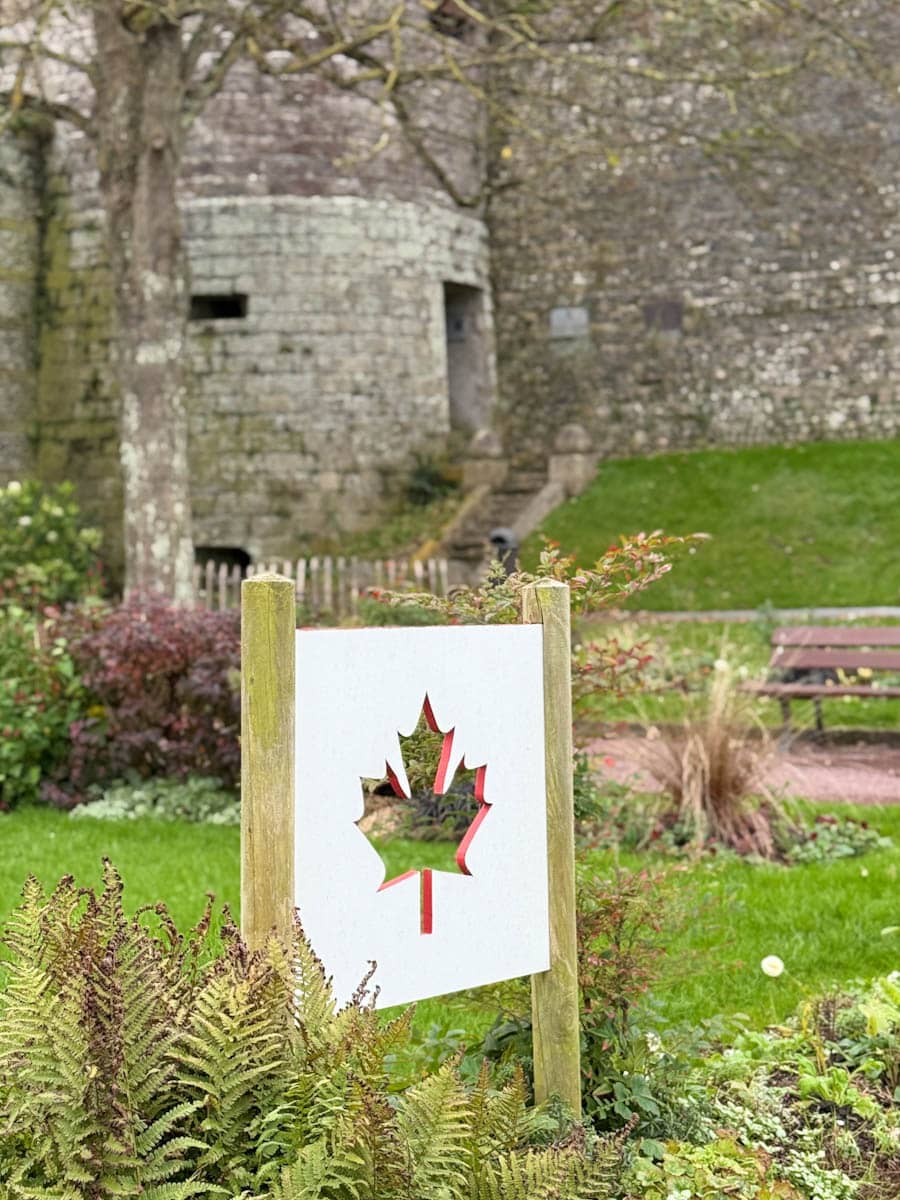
(501, 496)
(498, 508)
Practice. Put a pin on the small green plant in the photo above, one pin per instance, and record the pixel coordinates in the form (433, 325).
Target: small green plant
(832, 838)
(427, 481)
(198, 798)
(625, 924)
(47, 555)
(833, 1087)
(720, 1168)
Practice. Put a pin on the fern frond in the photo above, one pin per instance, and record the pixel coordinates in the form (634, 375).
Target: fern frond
(319, 1174)
(555, 1174)
(433, 1121)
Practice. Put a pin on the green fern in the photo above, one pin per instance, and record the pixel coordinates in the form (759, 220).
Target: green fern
(128, 1068)
(87, 1027)
(433, 1120)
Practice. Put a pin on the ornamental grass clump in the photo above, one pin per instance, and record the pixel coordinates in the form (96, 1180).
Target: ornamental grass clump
(713, 769)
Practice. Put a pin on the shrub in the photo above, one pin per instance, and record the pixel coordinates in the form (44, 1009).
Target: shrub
(46, 555)
(625, 925)
(165, 682)
(621, 572)
(40, 696)
(128, 1069)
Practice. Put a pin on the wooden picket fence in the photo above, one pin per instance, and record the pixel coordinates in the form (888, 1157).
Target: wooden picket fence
(325, 585)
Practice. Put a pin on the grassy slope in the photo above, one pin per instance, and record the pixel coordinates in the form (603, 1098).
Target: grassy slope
(794, 526)
(824, 922)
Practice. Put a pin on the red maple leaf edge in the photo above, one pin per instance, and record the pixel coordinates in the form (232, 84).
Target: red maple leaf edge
(440, 788)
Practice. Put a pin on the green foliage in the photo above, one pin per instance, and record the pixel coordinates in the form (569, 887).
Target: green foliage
(427, 481)
(588, 796)
(198, 798)
(127, 1068)
(707, 1173)
(40, 696)
(373, 612)
(831, 838)
(621, 571)
(46, 555)
(625, 925)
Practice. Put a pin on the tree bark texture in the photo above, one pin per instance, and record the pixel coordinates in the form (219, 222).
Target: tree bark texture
(138, 127)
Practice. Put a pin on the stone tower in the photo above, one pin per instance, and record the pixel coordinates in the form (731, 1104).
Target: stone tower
(341, 319)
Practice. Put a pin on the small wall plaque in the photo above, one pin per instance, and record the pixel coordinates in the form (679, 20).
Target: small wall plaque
(567, 323)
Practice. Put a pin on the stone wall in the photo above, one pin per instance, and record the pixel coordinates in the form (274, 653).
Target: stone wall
(679, 278)
(20, 164)
(662, 278)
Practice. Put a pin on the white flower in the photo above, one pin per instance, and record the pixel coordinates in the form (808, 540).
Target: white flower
(720, 665)
(772, 966)
(25, 521)
(864, 871)
(52, 535)
(654, 1042)
(14, 488)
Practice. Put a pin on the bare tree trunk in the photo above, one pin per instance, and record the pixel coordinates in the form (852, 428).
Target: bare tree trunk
(140, 100)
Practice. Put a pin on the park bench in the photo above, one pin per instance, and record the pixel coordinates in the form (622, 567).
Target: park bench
(811, 662)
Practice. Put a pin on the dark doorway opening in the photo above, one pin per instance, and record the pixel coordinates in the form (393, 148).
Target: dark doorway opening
(468, 375)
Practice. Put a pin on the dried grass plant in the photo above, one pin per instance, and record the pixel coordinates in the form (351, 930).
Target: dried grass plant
(714, 767)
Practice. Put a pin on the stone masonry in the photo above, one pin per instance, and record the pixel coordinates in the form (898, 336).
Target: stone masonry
(649, 286)
(19, 248)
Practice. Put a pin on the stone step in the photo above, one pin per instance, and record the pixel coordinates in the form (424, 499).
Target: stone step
(499, 509)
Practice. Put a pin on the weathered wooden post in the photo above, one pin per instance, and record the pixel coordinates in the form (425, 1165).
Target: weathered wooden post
(554, 993)
(267, 758)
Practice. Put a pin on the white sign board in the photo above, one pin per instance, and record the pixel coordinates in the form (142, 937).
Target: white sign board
(429, 932)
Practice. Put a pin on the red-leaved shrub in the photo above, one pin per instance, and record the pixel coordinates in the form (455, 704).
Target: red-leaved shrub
(165, 686)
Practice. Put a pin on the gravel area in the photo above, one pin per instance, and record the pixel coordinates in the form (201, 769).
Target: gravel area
(865, 773)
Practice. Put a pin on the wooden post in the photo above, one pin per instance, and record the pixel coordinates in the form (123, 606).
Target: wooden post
(267, 758)
(555, 1002)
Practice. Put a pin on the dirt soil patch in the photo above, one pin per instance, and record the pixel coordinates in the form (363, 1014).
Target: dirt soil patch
(861, 773)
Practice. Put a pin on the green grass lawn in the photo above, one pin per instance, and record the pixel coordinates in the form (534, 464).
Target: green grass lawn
(791, 526)
(825, 922)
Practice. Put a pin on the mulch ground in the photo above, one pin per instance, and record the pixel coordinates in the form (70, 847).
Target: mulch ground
(861, 773)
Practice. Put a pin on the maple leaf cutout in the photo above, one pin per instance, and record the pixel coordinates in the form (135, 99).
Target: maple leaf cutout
(444, 776)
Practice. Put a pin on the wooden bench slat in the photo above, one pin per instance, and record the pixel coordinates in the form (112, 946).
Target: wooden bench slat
(820, 689)
(833, 635)
(848, 660)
